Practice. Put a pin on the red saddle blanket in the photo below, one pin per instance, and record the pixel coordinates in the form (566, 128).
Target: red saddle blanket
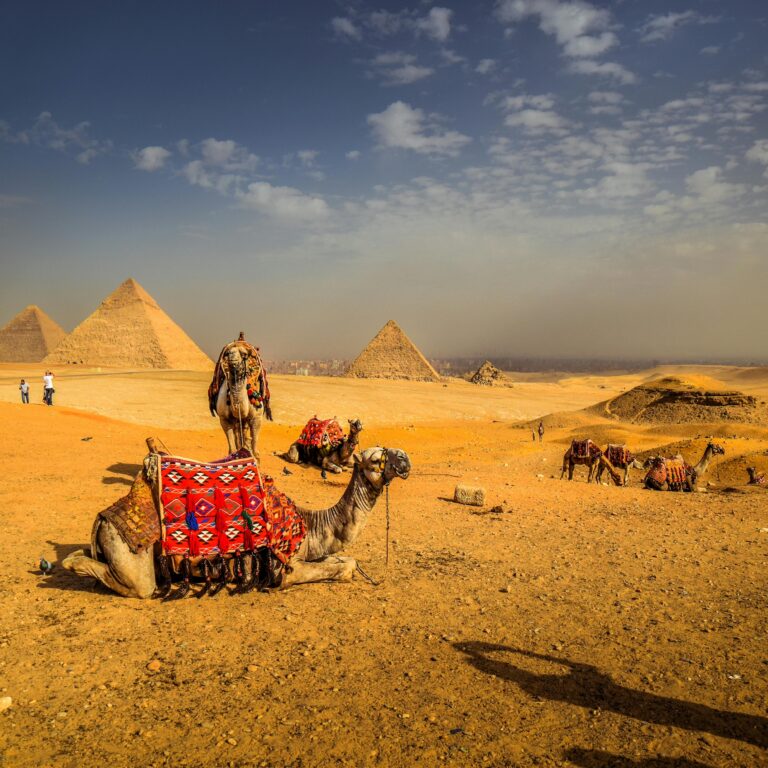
(321, 434)
(618, 455)
(672, 471)
(582, 449)
(225, 507)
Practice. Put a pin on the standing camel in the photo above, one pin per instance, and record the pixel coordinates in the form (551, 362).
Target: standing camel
(620, 457)
(675, 474)
(240, 418)
(583, 452)
(327, 532)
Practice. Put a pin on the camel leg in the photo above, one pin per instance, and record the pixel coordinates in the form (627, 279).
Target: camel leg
(332, 568)
(128, 574)
(571, 466)
(565, 465)
(255, 427)
(230, 433)
(331, 466)
(291, 455)
(626, 476)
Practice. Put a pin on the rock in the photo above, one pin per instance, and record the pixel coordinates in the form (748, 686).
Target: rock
(5, 703)
(473, 496)
(232, 741)
(501, 509)
(252, 668)
(154, 666)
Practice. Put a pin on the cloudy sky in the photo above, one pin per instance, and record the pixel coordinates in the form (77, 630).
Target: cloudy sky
(549, 177)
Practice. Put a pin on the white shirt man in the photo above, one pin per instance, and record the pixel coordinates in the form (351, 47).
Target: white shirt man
(48, 388)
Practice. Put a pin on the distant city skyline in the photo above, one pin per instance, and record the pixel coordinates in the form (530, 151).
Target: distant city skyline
(548, 178)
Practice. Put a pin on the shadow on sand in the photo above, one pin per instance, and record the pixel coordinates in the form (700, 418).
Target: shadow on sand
(586, 686)
(128, 470)
(62, 579)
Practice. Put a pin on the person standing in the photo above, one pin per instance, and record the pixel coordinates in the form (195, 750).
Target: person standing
(24, 389)
(48, 389)
(541, 431)
(533, 434)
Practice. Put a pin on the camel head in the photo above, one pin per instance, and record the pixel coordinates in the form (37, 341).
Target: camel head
(382, 465)
(355, 427)
(717, 450)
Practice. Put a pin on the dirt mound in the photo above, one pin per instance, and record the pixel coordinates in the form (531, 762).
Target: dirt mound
(29, 337)
(130, 330)
(675, 400)
(488, 375)
(392, 355)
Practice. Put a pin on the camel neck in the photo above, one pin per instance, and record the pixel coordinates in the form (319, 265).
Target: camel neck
(701, 467)
(330, 530)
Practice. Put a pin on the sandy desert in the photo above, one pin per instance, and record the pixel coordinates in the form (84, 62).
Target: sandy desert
(585, 625)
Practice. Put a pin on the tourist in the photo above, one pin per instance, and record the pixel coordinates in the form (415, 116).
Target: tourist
(533, 434)
(541, 431)
(24, 389)
(48, 389)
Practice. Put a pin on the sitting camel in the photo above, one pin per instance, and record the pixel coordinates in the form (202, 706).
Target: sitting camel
(620, 457)
(755, 477)
(583, 452)
(335, 458)
(675, 474)
(132, 573)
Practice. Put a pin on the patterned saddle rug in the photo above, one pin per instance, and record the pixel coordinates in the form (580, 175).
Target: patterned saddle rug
(676, 473)
(134, 517)
(225, 508)
(618, 455)
(321, 437)
(584, 449)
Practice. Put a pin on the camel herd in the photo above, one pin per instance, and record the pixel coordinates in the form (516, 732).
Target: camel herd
(662, 473)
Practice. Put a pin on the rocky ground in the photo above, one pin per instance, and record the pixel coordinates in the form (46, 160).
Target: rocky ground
(583, 626)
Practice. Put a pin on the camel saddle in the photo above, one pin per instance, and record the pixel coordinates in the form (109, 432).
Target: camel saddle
(618, 455)
(674, 472)
(584, 449)
(224, 508)
(257, 385)
(321, 436)
(134, 517)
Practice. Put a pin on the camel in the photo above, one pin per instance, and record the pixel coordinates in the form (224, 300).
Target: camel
(337, 461)
(619, 458)
(238, 416)
(755, 477)
(675, 474)
(583, 452)
(328, 531)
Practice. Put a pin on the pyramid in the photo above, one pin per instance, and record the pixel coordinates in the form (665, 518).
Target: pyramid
(488, 375)
(129, 330)
(29, 337)
(392, 355)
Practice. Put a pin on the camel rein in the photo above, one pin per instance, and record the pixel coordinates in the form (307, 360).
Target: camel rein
(371, 581)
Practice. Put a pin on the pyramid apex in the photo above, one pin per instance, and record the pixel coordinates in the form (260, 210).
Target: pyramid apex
(130, 290)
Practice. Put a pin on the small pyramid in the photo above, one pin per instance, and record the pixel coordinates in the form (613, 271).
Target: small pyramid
(392, 355)
(488, 375)
(130, 330)
(29, 337)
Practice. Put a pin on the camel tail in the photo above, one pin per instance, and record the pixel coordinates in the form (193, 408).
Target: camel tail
(95, 539)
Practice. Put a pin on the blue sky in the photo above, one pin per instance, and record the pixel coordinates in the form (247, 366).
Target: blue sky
(544, 177)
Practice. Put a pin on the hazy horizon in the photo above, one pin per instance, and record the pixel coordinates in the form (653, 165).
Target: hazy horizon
(548, 178)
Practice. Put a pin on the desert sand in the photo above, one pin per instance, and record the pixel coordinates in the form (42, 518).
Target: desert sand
(585, 625)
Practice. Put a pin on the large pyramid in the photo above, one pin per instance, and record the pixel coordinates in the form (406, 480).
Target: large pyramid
(392, 355)
(29, 337)
(129, 330)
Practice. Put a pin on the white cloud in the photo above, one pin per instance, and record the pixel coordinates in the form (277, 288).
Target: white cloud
(606, 97)
(227, 155)
(46, 132)
(436, 24)
(397, 68)
(710, 50)
(353, 154)
(580, 28)
(285, 203)
(406, 127)
(344, 28)
(604, 69)
(624, 180)
(536, 120)
(307, 157)
(150, 158)
(758, 153)
(542, 101)
(664, 26)
(707, 186)
(485, 66)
